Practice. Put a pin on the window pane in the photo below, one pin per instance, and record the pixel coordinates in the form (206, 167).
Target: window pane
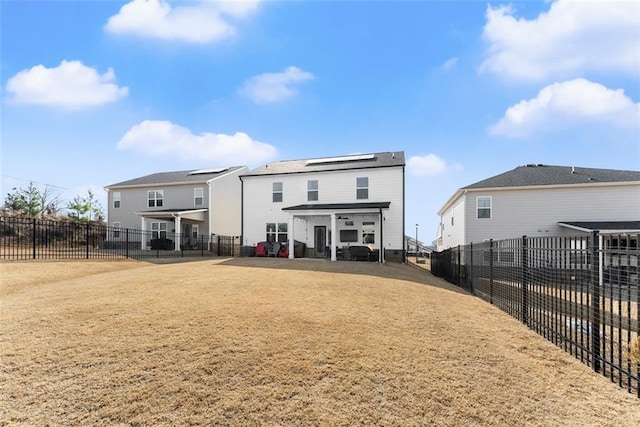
(312, 185)
(271, 227)
(312, 195)
(484, 202)
(362, 182)
(277, 197)
(484, 213)
(277, 186)
(282, 227)
(282, 237)
(363, 193)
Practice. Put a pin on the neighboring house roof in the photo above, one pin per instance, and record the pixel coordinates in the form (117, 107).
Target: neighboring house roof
(530, 175)
(177, 177)
(603, 226)
(348, 162)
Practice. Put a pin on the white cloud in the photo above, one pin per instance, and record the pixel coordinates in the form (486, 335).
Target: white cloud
(567, 104)
(274, 87)
(69, 85)
(163, 138)
(427, 165)
(572, 37)
(202, 22)
(449, 64)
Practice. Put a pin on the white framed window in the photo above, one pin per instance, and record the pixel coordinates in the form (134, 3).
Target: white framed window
(198, 196)
(116, 199)
(277, 192)
(277, 232)
(312, 190)
(116, 230)
(194, 231)
(155, 198)
(483, 207)
(368, 232)
(159, 230)
(362, 188)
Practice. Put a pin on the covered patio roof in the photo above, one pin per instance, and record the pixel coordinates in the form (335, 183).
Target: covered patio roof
(192, 214)
(603, 226)
(338, 206)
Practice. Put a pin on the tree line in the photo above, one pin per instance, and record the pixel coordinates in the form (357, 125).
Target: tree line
(33, 201)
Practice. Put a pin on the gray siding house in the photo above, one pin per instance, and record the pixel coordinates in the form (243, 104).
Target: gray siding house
(179, 206)
(540, 200)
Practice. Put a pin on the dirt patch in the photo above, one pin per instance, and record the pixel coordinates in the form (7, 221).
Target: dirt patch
(278, 342)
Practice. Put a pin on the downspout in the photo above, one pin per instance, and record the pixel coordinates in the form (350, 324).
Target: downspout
(381, 256)
(241, 213)
(404, 252)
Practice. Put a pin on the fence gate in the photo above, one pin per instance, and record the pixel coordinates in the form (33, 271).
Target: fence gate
(223, 245)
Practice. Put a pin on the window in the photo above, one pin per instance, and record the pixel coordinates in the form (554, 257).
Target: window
(198, 196)
(277, 192)
(159, 230)
(155, 198)
(368, 232)
(312, 190)
(362, 188)
(116, 199)
(483, 205)
(452, 221)
(116, 230)
(277, 232)
(348, 235)
(194, 231)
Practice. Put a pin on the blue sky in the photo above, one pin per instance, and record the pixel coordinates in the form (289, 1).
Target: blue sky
(98, 92)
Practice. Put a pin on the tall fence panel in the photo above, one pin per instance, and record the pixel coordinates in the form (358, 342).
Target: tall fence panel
(579, 292)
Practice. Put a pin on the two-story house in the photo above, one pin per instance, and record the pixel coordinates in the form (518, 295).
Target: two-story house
(179, 206)
(540, 200)
(329, 204)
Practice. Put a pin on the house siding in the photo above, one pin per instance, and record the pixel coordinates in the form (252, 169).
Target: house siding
(454, 235)
(536, 212)
(224, 211)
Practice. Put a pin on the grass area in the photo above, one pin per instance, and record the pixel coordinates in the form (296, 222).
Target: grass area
(277, 342)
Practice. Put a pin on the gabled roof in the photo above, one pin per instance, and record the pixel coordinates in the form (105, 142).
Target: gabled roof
(533, 175)
(347, 162)
(177, 177)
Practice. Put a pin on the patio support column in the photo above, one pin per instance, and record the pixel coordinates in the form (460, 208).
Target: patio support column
(177, 234)
(292, 248)
(143, 237)
(334, 237)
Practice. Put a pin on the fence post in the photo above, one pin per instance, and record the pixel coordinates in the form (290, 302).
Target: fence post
(459, 268)
(595, 301)
(126, 251)
(87, 239)
(491, 270)
(523, 280)
(33, 238)
(471, 272)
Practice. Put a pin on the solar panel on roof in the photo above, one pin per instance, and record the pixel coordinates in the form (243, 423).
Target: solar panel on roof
(207, 171)
(341, 159)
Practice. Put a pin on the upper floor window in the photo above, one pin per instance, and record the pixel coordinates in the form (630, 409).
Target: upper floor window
(277, 191)
(198, 196)
(362, 188)
(155, 198)
(483, 206)
(116, 199)
(312, 190)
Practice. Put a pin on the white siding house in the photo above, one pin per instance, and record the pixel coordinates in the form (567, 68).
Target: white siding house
(178, 205)
(539, 200)
(329, 204)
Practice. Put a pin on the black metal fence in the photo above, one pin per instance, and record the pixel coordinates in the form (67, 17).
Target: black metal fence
(579, 292)
(26, 238)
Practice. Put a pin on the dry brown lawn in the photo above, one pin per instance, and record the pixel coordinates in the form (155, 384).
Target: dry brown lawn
(277, 342)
